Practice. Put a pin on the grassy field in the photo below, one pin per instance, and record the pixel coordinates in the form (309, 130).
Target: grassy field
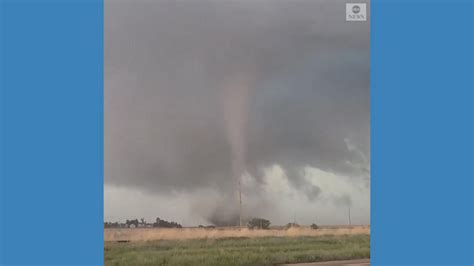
(238, 251)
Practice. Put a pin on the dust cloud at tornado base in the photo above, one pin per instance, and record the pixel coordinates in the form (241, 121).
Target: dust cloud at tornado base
(199, 93)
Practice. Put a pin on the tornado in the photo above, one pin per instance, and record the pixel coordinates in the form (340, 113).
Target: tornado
(236, 96)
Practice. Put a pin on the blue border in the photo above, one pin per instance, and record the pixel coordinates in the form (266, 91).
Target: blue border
(52, 129)
(52, 133)
(422, 132)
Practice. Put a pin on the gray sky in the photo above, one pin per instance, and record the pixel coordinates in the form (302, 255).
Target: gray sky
(198, 92)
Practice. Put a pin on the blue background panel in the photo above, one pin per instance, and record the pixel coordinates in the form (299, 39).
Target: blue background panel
(422, 132)
(52, 147)
(52, 133)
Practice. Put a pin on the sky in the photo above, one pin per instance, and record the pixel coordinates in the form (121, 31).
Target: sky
(202, 94)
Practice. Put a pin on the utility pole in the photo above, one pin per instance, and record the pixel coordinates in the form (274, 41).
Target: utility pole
(240, 203)
(350, 224)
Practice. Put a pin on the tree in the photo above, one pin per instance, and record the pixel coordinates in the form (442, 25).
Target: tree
(132, 222)
(166, 224)
(291, 225)
(111, 225)
(258, 223)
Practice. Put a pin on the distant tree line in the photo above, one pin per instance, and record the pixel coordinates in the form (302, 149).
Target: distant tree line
(135, 223)
(253, 223)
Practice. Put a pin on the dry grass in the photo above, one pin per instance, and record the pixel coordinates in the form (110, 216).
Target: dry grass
(147, 234)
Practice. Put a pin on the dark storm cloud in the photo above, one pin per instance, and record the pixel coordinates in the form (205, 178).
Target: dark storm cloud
(188, 85)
